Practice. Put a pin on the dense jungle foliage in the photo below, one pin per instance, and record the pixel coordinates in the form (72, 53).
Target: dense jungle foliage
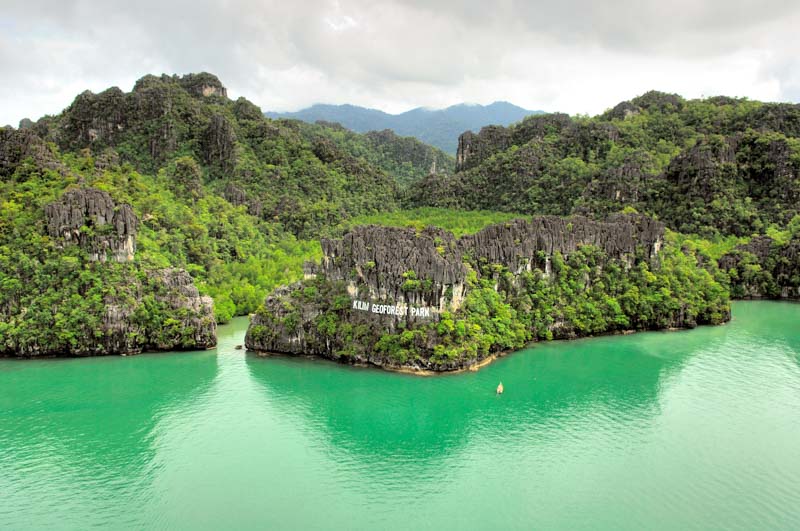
(241, 201)
(718, 166)
(586, 293)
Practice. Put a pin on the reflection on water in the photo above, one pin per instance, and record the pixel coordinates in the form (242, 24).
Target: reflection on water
(73, 429)
(693, 429)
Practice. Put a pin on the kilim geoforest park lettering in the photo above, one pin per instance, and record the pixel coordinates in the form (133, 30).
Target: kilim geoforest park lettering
(392, 309)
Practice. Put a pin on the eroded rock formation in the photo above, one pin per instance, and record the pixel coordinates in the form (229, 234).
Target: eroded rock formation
(763, 268)
(18, 145)
(219, 144)
(90, 218)
(125, 328)
(379, 280)
(124, 308)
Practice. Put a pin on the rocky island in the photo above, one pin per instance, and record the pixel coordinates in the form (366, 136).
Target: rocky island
(403, 298)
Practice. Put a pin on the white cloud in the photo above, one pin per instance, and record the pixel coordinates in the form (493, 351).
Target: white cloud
(571, 55)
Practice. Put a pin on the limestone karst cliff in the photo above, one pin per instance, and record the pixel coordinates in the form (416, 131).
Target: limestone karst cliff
(403, 298)
(720, 166)
(80, 292)
(17, 146)
(764, 268)
(90, 218)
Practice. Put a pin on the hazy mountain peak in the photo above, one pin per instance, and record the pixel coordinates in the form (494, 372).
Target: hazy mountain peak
(438, 127)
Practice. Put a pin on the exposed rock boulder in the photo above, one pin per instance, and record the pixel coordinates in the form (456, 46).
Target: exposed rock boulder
(90, 218)
(623, 111)
(203, 85)
(17, 145)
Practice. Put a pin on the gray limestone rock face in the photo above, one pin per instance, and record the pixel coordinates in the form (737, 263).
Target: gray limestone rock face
(519, 242)
(95, 118)
(473, 148)
(623, 111)
(18, 145)
(374, 275)
(181, 294)
(778, 274)
(219, 144)
(91, 219)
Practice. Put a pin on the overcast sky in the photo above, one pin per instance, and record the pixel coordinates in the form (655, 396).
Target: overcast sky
(577, 56)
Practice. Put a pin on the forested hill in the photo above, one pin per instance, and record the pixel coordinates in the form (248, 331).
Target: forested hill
(105, 208)
(438, 128)
(304, 177)
(719, 166)
(132, 220)
(405, 158)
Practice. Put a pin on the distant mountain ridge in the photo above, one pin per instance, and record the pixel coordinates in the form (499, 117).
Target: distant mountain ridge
(439, 128)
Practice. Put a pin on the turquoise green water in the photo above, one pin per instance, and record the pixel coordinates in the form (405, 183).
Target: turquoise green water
(683, 430)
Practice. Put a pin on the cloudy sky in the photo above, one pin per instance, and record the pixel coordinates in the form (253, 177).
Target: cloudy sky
(577, 56)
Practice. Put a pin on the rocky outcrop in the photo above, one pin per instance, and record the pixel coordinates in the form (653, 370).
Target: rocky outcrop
(539, 126)
(385, 263)
(219, 144)
(198, 327)
(124, 334)
(383, 280)
(244, 109)
(90, 218)
(738, 183)
(763, 268)
(474, 148)
(159, 114)
(628, 184)
(697, 170)
(96, 118)
(16, 146)
(623, 111)
(655, 101)
(127, 326)
(202, 85)
(517, 244)
(131, 309)
(237, 196)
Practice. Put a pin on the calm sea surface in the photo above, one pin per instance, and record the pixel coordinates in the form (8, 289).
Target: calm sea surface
(680, 430)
